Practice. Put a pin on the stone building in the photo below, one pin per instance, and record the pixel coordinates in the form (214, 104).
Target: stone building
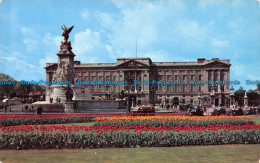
(178, 90)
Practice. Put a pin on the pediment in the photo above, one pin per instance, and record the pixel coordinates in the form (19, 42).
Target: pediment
(51, 66)
(132, 63)
(217, 64)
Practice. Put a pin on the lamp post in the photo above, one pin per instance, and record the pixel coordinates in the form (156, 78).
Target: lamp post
(199, 98)
(212, 95)
(232, 95)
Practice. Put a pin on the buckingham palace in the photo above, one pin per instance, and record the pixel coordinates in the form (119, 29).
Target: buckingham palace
(153, 80)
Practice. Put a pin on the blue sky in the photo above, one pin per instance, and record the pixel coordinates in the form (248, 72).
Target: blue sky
(174, 30)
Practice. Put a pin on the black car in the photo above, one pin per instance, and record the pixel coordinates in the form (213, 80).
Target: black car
(235, 112)
(186, 107)
(221, 110)
(249, 111)
(196, 111)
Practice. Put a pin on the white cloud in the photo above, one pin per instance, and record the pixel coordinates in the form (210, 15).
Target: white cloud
(85, 41)
(84, 13)
(219, 43)
(30, 38)
(108, 48)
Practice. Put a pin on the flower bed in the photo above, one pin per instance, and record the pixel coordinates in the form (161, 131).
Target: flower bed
(48, 141)
(11, 120)
(128, 131)
(173, 120)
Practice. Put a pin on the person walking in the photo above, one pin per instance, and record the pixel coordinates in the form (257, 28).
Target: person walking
(5, 108)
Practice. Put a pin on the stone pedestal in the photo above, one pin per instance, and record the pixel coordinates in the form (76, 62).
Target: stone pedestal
(58, 91)
(69, 107)
(78, 94)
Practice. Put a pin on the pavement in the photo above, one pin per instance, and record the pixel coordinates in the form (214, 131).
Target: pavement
(17, 109)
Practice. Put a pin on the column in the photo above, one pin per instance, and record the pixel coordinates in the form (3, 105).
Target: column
(218, 79)
(165, 78)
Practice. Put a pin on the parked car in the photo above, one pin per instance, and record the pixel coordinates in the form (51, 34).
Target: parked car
(235, 112)
(143, 109)
(215, 111)
(249, 111)
(186, 107)
(196, 111)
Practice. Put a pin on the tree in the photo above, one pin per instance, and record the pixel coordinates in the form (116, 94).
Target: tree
(252, 98)
(239, 96)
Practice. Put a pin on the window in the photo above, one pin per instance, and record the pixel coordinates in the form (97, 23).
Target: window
(215, 76)
(209, 88)
(139, 88)
(192, 77)
(168, 88)
(160, 88)
(221, 76)
(191, 101)
(114, 78)
(107, 88)
(209, 77)
(176, 77)
(160, 77)
(199, 88)
(107, 78)
(92, 89)
(168, 77)
(99, 88)
(183, 101)
(216, 88)
(222, 88)
(114, 88)
(191, 88)
(183, 88)
(93, 78)
(200, 77)
(176, 88)
(100, 78)
(184, 77)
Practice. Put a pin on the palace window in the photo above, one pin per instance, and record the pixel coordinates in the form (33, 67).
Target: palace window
(200, 77)
(160, 88)
(168, 77)
(176, 88)
(99, 88)
(209, 76)
(183, 101)
(192, 77)
(107, 88)
(114, 88)
(183, 88)
(176, 77)
(191, 101)
(184, 77)
(191, 88)
(199, 88)
(168, 88)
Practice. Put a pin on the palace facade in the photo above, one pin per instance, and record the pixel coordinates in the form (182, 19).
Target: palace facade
(178, 90)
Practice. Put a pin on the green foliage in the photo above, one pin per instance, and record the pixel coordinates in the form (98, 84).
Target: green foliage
(29, 121)
(177, 123)
(119, 140)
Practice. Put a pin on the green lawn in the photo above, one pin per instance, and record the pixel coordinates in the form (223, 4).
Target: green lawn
(257, 119)
(208, 154)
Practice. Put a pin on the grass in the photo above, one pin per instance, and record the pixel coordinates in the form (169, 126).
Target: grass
(221, 153)
(257, 119)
